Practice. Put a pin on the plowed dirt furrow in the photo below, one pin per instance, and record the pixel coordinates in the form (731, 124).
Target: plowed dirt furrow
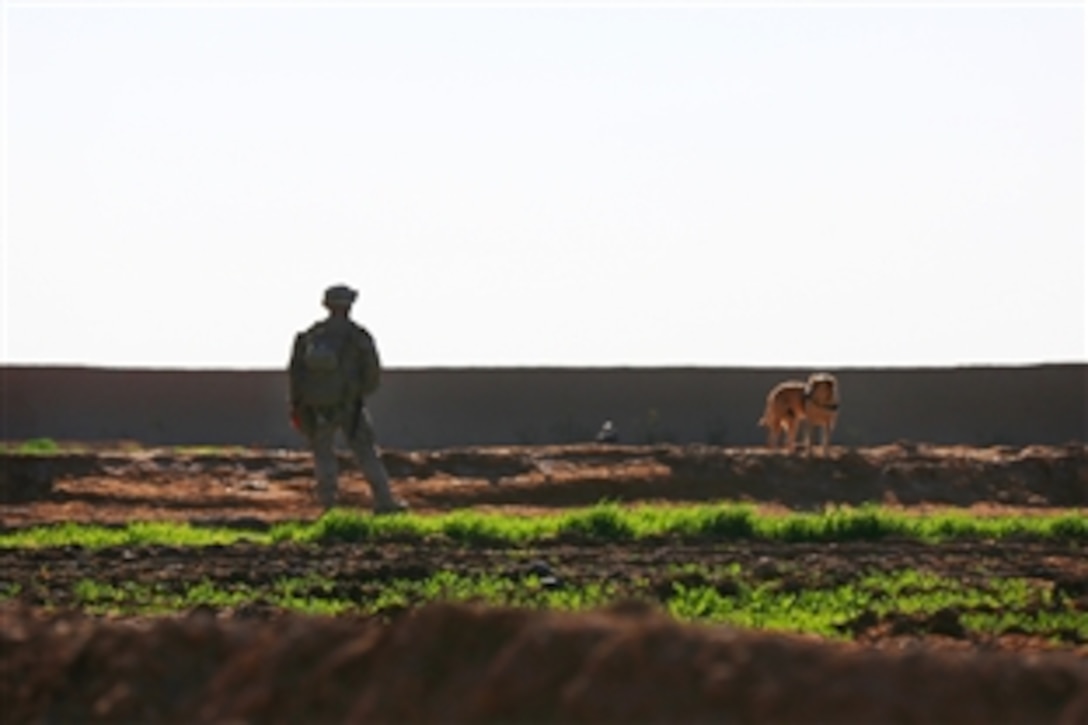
(49, 574)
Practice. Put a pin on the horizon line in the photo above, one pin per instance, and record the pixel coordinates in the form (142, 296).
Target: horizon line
(563, 368)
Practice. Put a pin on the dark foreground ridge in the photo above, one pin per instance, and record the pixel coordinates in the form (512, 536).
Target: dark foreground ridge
(455, 663)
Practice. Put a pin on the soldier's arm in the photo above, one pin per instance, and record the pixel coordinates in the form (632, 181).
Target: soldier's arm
(296, 369)
(371, 370)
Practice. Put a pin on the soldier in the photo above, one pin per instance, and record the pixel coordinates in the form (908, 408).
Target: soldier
(334, 366)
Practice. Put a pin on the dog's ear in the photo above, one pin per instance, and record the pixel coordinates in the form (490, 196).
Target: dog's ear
(832, 387)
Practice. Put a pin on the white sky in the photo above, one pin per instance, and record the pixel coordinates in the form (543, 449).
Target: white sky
(559, 186)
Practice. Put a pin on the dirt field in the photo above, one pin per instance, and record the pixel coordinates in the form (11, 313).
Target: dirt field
(455, 663)
(276, 485)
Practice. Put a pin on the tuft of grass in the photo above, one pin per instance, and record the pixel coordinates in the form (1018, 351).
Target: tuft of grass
(34, 446)
(209, 450)
(605, 522)
(866, 523)
(472, 529)
(732, 522)
(1073, 527)
(341, 525)
(9, 590)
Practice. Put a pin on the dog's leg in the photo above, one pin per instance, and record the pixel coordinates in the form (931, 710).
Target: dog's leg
(774, 430)
(791, 433)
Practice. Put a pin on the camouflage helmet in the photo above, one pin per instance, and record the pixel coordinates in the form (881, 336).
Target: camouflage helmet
(340, 296)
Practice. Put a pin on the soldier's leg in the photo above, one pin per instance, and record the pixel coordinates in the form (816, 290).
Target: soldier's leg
(364, 447)
(322, 439)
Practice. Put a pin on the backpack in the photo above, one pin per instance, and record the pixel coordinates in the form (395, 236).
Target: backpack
(324, 380)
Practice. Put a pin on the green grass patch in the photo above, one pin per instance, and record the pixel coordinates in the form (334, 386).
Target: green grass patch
(9, 590)
(305, 595)
(604, 523)
(34, 446)
(137, 533)
(314, 595)
(722, 595)
(995, 607)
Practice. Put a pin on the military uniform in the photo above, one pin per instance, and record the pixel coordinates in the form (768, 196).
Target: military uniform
(328, 396)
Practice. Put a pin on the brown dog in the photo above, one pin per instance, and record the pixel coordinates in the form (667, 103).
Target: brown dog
(815, 403)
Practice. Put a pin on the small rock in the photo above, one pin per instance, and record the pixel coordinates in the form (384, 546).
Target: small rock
(540, 568)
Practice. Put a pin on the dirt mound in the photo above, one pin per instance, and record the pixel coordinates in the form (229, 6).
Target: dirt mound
(457, 663)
